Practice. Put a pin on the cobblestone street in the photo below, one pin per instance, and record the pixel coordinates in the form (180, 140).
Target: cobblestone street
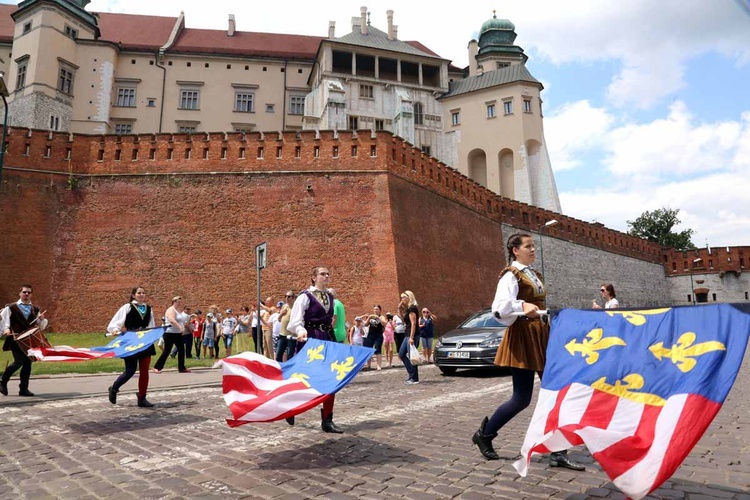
(399, 442)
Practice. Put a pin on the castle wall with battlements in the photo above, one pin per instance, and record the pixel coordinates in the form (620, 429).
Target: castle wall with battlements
(86, 218)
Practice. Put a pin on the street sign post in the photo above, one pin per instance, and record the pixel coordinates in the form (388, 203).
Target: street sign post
(261, 253)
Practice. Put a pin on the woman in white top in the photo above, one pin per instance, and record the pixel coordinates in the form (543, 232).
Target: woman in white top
(608, 295)
(176, 319)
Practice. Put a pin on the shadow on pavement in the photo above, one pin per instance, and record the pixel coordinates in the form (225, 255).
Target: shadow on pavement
(337, 453)
(146, 418)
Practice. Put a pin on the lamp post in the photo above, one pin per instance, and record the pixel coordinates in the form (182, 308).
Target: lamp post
(541, 243)
(692, 287)
(4, 93)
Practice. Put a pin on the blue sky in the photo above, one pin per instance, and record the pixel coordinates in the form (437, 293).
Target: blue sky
(646, 102)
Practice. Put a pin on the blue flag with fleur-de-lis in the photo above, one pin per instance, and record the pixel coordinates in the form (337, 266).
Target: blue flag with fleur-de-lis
(637, 387)
(132, 342)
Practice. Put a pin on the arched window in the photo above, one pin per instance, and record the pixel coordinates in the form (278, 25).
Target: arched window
(418, 114)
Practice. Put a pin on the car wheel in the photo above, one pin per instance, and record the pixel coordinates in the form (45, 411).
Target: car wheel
(448, 370)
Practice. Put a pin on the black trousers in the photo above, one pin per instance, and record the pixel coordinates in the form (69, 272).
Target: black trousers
(20, 360)
(172, 340)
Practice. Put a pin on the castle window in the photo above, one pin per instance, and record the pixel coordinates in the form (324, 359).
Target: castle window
(123, 128)
(244, 102)
(426, 150)
(353, 123)
(365, 91)
(71, 32)
(508, 107)
(335, 151)
(297, 152)
(501, 65)
(21, 76)
(379, 124)
(455, 117)
(27, 27)
(354, 151)
(126, 97)
(418, 114)
(151, 102)
(54, 122)
(190, 99)
(65, 82)
(491, 113)
(186, 129)
(316, 152)
(527, 105)
(296, 105)
(270, 108)
(260, 152)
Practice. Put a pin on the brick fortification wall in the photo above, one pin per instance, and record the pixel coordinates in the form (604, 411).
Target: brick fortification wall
(181, 214)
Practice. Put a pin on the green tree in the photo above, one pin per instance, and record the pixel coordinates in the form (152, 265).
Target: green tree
(657, 226)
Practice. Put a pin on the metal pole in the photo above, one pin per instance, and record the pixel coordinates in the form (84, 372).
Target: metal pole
(259, 332)
(2, 142)
(541, 253)
(692, 287)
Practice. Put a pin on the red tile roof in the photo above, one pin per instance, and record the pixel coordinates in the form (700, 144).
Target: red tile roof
(418, 45)
(247, 44)
(7, 25)
(134, 31)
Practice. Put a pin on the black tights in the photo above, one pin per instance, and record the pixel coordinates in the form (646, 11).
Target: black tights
(523, 389)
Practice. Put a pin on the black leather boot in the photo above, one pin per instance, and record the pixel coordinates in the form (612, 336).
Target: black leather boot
(327, 424)
(560, 459)
(3, 388)
(112, 395)
(143, 402)
(484, 442)
(25, 392)
(289, 420)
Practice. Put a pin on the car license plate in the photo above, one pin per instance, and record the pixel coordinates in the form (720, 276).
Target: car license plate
(459, 354)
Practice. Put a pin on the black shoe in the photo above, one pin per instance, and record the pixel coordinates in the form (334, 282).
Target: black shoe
(143, 402)
(112, 395)
(560, 459)
(327, 424)
(3, 388)
(289, 420)
(25, 392)
(484, 442)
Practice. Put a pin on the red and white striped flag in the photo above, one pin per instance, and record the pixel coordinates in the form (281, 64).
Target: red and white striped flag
(67, 353)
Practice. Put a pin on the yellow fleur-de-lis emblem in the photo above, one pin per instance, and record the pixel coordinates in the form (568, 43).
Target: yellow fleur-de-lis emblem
(116, 344)
(683, 352)
(141, 334)
(302, 378)
(315, 354)
(343, 368)
(134, 347)
(588, 348)
(637, 318)
(625, 389)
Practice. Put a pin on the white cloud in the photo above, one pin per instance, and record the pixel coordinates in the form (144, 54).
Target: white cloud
(574, 128)
(699, 168)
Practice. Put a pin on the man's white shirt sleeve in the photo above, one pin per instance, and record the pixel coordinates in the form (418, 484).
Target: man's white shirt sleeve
(297, 316)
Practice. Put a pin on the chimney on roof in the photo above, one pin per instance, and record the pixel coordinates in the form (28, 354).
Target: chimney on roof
(331, 29)
(363, 22)
(473, 51)
(230, 29)
(395, 32)
(389, 13)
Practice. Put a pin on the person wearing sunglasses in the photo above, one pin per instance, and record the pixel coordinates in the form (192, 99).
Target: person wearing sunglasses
(17, 318)
(608, 296)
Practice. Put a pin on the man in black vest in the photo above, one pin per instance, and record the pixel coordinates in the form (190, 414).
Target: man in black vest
(17, 318)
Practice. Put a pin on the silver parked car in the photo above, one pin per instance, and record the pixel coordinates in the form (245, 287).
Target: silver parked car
(472, 344)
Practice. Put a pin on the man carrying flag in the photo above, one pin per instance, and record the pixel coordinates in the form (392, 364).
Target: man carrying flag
(312, 317)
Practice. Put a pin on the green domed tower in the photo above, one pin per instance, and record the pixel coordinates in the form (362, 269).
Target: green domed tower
(496, 43)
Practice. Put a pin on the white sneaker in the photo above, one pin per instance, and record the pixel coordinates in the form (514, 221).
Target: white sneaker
(411, 382)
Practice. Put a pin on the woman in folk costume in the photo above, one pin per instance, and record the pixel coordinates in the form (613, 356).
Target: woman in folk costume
(524, 347)
(312, 317)
(135, 315)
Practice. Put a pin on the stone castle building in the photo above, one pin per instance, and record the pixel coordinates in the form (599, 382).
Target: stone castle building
(69, 69)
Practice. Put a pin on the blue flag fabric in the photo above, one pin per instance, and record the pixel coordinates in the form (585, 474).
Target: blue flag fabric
(132, 342)
(326, 366)
(679, 350)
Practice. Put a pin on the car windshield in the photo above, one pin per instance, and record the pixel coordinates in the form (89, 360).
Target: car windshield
(482, 320)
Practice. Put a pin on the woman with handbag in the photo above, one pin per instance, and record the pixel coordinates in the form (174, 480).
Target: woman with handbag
(410, 317)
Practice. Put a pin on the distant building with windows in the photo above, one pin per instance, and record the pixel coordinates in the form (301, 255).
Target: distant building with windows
(69, 69)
